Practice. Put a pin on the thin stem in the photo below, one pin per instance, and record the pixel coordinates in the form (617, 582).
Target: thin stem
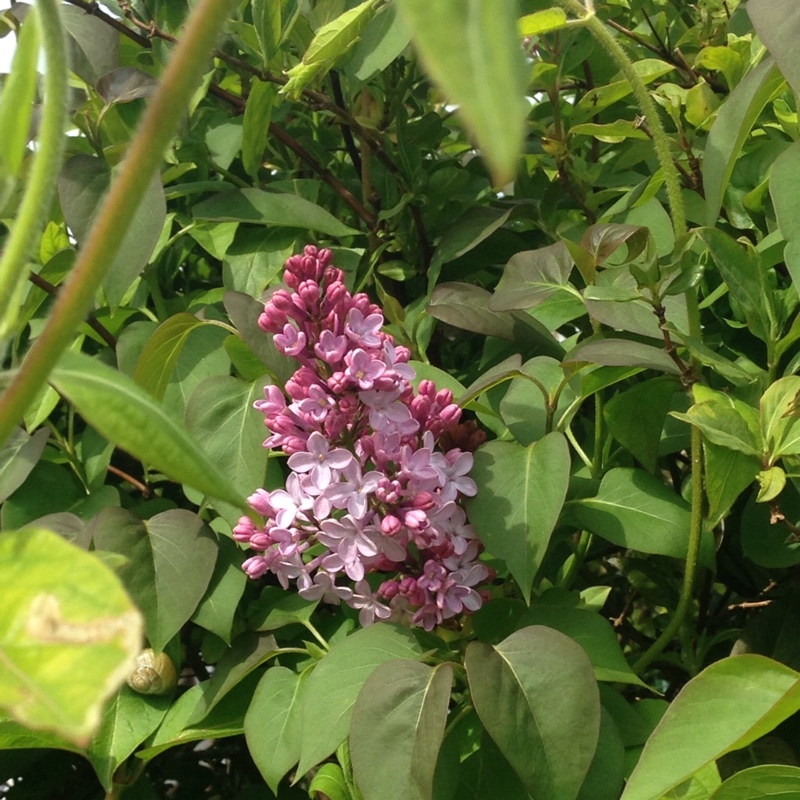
(41, 183)
(685, 600)
(143, 159)
(316, 634)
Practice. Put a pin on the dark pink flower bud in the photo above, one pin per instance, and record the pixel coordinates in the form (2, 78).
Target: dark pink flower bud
(424, 501)
(390, 525)
(389, 589)
(450, 415)
(444, 397)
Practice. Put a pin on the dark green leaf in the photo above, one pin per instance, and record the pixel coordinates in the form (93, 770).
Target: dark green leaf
(171, 559)
(728, 473)
(741, 268)
(397, 729)
(636, 417)
(465, 306)
(127, 416)
(160, 355)
(18, 456)
(272, 724)
(270, 208)
(635, 510)
(520, 494)
(257, 117)
(777, 23)
(531, 276)
(548, 736)
(334, 685)
(250, 650)
(93, 45)
(732, 126)
(622, 353)
(82, 184)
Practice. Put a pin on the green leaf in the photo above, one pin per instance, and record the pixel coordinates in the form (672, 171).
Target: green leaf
(244, 312)
(524, 406)
(548, 736)
(761, 783)
(725, 421)
(217, 609)
(591, 631)
(635, 418)
(607, 772)
(14, 736)
(171, 559)
(742, 270)
(250, 650)
(18, 456)
(127, 416)
(160, 355)
(337, 679)
(728, 473)
(726, 707)
(16, 100)
(520, 494)
(329, 44)
(93, 45)
(272, 724)
(128, 720)
(612, 352)
(783, 181)
(611, 132)
(550, 19)
(466, 306)
(732, 126)
(270, 208)
(479, 52)
(69, 634)
(777, 23)
(397, 729)
(531, 276)
(220, 414)
(384, 38)
(779, 417)
(268, 24)
(257, 117)
(125, 85)
(277, 608)
(82, 184)
(329, 781)
(771, 482)
(633, 509)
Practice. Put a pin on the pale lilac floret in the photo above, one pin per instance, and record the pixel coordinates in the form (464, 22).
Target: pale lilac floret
(373, 497)
(320, 461)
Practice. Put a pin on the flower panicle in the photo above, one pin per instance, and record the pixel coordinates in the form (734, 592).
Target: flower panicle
(378, 471)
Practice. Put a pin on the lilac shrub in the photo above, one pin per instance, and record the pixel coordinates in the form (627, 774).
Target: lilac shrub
(378, 472)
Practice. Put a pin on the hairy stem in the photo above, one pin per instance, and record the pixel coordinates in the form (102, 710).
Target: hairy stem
(41, 182)
(677, 214)
(143, 159)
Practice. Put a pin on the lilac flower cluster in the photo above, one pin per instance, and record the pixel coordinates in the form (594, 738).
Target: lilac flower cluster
(377, 471)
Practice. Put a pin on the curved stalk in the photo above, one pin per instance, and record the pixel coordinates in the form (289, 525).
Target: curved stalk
(41, 181)
(586, 14)
(143, 159)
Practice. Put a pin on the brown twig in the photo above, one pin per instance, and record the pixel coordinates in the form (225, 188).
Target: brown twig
(347, 133)
(145, 490)
(91, 320)
(777, 516)
(754, 604)
(687, 373)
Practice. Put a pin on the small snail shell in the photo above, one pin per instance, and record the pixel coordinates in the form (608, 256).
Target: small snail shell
(154, 674)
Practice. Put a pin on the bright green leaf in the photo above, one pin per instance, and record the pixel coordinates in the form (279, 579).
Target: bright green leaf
(479, 52)
(726, 707)
(69, 634)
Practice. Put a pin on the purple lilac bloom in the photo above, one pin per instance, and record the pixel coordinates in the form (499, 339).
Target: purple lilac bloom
(378, 471)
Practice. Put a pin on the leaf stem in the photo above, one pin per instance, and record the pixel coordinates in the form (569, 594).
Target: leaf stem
(143, 159)
(41, 183)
